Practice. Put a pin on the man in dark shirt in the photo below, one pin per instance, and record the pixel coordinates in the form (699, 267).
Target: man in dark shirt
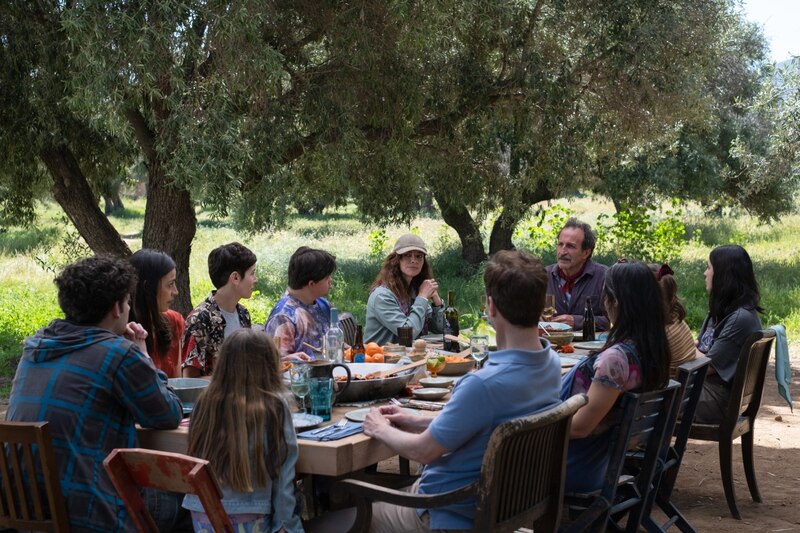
(90, 377)
(575, 277)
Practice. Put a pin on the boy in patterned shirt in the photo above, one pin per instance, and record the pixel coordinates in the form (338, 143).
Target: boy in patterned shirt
(302, 316)
(232, 268)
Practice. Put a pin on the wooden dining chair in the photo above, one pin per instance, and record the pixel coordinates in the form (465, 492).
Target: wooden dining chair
(521, 480)
(348, 324)
(131, 468)
(739, 420)
(31, 496)
(620, 503)
(691, 376)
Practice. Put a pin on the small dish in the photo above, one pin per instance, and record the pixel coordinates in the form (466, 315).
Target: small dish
(441, 383)
(589, 345)
(433, 338)
(457, 369)
(430, 394)
(555, 326)
(358, 415)
(305, 420)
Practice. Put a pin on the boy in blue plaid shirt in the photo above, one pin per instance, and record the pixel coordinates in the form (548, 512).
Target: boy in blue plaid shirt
(90, 377)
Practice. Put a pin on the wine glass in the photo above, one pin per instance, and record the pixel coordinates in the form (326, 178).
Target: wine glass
(479, 348)
(298, 376)
(549, 310)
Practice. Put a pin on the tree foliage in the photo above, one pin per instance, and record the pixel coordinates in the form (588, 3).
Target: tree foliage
(249, 108)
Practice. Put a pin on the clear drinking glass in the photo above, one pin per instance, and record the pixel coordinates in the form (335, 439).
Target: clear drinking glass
(298, 375)
(479, 348)
(549, 310)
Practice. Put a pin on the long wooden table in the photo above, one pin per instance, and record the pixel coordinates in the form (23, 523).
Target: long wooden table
(331, 458)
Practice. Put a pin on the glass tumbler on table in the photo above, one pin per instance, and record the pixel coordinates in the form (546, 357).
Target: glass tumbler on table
(321, 397)
(549, 310)
(479, 348)
(298, 376)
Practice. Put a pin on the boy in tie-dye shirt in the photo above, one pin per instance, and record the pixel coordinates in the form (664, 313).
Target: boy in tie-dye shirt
(302, 316)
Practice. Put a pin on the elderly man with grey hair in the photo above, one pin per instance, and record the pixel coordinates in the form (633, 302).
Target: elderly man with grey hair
(575, 277)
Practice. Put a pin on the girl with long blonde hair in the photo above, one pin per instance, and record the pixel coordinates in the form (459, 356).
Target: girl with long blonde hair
(242, 426)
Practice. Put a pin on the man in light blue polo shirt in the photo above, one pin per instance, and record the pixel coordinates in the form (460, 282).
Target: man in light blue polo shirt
(523, 377)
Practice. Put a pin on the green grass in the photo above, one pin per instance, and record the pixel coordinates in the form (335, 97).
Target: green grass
(29, 257)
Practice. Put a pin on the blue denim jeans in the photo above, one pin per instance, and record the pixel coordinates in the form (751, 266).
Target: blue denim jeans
(165, 508)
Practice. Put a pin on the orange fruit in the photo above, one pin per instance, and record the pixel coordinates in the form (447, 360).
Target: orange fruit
(377, 358)
(368, 359)
(371, 348)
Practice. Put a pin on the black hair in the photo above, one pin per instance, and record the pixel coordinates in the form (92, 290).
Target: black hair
(226, 259)
(632, 291)
(308, 264)
(589, 237)
(151, 266)
(733, 284)
(89, 288)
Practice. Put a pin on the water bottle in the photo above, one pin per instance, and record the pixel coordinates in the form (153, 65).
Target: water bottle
(333, 341)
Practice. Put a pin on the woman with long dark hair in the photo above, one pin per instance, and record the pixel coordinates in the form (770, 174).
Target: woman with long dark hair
(404, 294)
(634, 357)
(733, 307)
(155, 291)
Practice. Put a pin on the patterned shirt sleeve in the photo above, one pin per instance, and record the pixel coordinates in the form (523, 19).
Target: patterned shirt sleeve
(282, 330)
(611, 369)
(142, 388)
(195, 341)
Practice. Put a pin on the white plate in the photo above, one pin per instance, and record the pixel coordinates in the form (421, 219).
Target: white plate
(436, 382)
(434, 337)
(305, 420)
(430, 394)
(568, 361)
(589, 345)
(555, 326)
(359, 415)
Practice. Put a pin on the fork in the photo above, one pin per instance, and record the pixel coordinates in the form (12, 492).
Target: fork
(332, 427)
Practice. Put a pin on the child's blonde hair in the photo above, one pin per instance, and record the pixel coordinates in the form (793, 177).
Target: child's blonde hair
(241, 411)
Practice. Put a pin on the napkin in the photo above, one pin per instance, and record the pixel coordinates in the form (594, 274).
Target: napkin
(783, 368)
(333, 432)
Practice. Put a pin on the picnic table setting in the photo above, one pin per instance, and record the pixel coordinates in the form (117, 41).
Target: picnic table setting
(330, 437)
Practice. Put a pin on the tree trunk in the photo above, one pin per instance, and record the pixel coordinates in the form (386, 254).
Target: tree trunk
(169, 226)
(506, 223)
(169, 219)
(502, 231)
(73, 194)
(113, 203)
(457, 216)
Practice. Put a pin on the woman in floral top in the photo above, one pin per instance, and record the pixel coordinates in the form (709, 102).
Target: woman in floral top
(635, 357)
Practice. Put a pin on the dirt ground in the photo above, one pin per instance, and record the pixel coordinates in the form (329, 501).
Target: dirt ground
(698, 491)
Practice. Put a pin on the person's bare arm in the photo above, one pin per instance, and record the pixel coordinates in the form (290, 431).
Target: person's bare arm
(191, 372)
(601, 400)
(419, 447)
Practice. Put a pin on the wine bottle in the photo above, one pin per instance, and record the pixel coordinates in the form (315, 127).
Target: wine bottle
(359, 355)
(588, 321)
(451, 324)
(333, 341)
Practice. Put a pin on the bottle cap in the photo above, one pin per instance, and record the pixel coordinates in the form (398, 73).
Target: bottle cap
(334, 315)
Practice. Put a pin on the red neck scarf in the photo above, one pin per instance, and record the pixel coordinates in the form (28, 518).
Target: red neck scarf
(567, 287)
